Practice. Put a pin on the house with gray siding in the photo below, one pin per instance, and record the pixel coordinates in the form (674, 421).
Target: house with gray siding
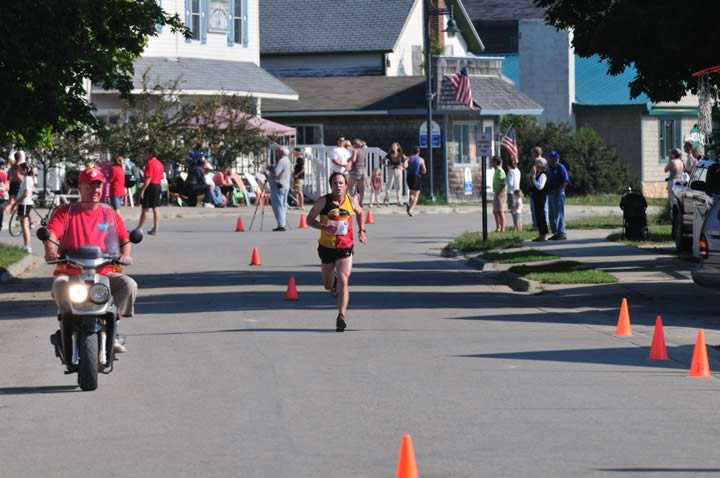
(363, 78)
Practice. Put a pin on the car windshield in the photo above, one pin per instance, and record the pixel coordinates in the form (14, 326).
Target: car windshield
(90, 227)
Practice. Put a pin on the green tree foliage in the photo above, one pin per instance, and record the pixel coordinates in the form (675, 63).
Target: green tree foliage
(594, 166)
(51, 48)
(666, 40)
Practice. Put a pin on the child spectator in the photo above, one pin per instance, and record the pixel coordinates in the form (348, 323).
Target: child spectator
(516, 210)
(376, 187)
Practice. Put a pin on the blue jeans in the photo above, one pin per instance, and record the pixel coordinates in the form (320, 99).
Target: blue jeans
(279, 203)
(556, 203)
(532, 213)
(116, 202)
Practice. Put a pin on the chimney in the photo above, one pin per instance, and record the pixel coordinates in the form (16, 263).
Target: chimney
(437, 28)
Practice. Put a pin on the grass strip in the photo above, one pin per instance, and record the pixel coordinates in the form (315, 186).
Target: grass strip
(518, 257)
(472, 241)
(564, 272)
(595, 222)
(606, 200)
(9, 255)
(659, 235)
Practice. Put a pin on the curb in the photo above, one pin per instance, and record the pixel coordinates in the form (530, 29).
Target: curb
(510, 279)
(17, 268)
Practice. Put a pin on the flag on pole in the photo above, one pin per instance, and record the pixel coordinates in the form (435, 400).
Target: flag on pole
(461, 84)
(509, 143)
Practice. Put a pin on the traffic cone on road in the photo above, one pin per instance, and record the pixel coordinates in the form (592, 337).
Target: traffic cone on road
(239, 226)
(407, 468)
(291, 293)
(699, 367)
(623, 325)
(303, 224)
(369, 219)
(658, 351)
(255, 259)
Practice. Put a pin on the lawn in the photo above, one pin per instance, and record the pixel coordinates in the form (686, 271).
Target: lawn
(595, 222)
(606, 200)
(660, 235)
(564, 272)
(518, 257)
(472, 241)
(9, 255)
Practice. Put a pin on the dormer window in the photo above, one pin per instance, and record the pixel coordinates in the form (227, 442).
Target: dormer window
(219, 17)
(238, 21)
(195, 16)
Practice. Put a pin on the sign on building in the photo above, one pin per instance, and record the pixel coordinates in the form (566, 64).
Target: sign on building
(434, 133)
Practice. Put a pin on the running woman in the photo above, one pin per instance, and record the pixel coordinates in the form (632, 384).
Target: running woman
(336, 211)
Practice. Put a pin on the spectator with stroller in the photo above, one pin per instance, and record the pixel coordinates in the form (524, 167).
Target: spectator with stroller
(558, 179)
(299, 177)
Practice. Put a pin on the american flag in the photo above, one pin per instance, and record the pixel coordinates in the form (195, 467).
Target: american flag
(509, 143)
(461, 83)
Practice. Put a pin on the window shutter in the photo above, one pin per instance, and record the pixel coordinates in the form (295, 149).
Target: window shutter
(188, 18)
(244, 22)
(203, 21)
(231, 29)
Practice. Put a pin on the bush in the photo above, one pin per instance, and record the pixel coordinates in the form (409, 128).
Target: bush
(593, 165)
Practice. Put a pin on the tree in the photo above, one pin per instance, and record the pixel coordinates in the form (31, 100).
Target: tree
(51, 48)
(666, 40)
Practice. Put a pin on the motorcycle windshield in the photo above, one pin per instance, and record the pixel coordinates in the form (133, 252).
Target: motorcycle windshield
(86, 229)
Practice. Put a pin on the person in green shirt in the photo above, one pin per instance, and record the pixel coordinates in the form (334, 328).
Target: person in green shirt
(498, 194)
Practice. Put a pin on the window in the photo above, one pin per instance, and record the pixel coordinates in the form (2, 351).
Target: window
(669, 135)
(464, 138)
(219, 16)
(309, 133)
(238, 21)
(195, 19)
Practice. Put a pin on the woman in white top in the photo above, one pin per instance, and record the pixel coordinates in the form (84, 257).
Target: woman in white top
(24, 203)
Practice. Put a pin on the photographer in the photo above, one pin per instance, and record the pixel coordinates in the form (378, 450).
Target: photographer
(280, 186)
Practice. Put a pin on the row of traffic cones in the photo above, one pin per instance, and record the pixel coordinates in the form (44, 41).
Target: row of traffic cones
(239, 227)
(699, 366)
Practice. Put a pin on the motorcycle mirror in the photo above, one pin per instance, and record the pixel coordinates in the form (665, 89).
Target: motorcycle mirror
(43, 234)
(136, 236)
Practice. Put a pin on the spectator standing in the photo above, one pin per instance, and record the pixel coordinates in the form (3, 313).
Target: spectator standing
(280, 186)
(537, 153)
(376, 186)
(690, 162)
(14, 180)
(299, 177)
(340, 156)
(415, 167)
(117, 182)
(3, 190)
(538, 185)
(358, 169)
(151, 188)
(558, 179)
(24, 203)
(396, 162)
(675, 169)
(512, 181)
(499, 193)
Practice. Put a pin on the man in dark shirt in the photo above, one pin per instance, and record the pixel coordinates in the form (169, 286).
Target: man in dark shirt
(558, 179)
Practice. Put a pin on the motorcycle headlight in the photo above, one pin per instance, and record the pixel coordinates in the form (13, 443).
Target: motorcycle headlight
(78, 293)
(99, 293)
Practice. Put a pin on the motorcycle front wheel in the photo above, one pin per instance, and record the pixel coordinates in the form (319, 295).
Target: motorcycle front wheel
(88, 370)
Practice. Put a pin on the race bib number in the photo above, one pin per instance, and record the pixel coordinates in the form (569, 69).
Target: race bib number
(342, 227)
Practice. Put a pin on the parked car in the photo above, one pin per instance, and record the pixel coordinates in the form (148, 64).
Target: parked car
(708, 273)
(688, 197)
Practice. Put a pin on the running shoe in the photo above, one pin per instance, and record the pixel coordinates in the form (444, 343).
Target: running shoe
(340, 324)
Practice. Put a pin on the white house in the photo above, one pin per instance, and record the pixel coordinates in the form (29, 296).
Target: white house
(223, 55)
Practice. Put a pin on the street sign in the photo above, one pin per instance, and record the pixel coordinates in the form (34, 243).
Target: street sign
(468, 181)
(434, 135)
(484, 144)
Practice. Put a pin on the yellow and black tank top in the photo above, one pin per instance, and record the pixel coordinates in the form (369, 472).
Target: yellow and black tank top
(341, 216)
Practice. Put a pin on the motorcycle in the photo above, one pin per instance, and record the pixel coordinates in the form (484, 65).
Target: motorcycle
(88, 323)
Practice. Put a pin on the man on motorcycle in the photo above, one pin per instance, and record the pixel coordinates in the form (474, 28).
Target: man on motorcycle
(85, 224)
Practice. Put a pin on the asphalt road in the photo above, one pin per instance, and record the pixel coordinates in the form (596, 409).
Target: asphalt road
(224, 378)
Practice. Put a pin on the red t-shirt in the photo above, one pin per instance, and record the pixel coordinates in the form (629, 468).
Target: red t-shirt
(154, 170)
(117, 181)
(75, 226)
(3, 177)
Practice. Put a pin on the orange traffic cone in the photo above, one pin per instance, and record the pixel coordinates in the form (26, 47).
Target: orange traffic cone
(369, 219)
(303, 224)
(407, 468)
(255, 259)
(658, 351)
(699, 366)
(623, 325)
(291, 293)
(239, 226)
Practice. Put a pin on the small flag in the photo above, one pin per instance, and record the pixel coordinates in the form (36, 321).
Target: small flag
(461, 84)
(509, 143)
